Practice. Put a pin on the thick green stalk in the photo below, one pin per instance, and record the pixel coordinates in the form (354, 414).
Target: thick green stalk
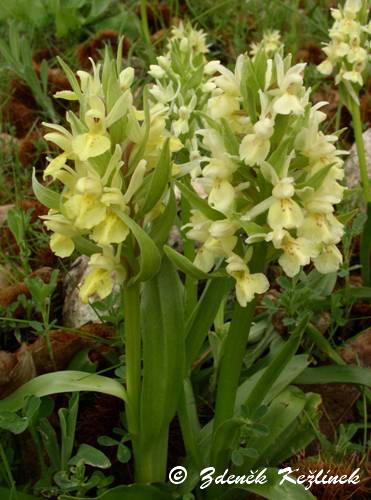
(357, 128)
(151, 459)
(235, 345)
(131, 297)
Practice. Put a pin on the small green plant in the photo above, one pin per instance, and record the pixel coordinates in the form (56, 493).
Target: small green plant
(18, 58)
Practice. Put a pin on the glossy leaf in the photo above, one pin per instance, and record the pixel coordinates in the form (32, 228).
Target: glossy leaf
(291, 371)
(159, 180)
(274, 369)
(85, 246)
(272, 490)
(160, 228)
(131, 492)
(184, 264)
(46, 196)
(201, 319)
(91, 456)
(282, 413)
(70, 76)
(59, 382)
(163, 350)
(195, 201)
(335, 375)
(150, 259)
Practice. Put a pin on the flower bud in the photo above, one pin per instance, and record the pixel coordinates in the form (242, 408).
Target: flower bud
(126, 78)
(156, 71)
(89, 185)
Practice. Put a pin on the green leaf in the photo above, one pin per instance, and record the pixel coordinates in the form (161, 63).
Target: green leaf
(46, 196)
(363, 292)
(274, 369)
(196, 202)
(300, 434)
(324, 284)
(229, 137)
(150, 258)
(203, 315)
(50, 441)
(67, 422)
(161, 226)
(123, 453)
(226, 438)
(292, 370)
(316, 180)
(159, 180)
(322, 343)
(131, 492)
(63, 381)
(70, 76)
(282, 413)
(274, 491)
(13, 423)
(162, 319)
(335, 375)
(184, 264)
(237, 457)
(91, 456)
(85, 246)
(7, 494)
(107, 441)
(147, 124)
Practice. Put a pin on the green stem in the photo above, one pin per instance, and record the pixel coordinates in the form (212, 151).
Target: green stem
(131, 297)
(235, 345)
(144, 21)
(357, 128)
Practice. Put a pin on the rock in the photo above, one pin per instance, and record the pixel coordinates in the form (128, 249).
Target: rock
(352, 175)
(75, 313)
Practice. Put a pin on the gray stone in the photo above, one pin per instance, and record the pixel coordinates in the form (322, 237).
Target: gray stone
(352, 175)
(75, 313)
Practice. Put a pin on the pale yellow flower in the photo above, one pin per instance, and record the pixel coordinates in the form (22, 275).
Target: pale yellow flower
(328, 260)
(247, 284)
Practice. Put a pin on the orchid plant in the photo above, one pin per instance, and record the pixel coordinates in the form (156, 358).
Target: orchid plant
(244, 148)
(348, 56)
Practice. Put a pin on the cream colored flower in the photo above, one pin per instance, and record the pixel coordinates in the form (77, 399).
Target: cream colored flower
(328, 260)
(284, 212)
(247, 284)
(61, 245)
(290, 92)
(321, 228)
(105, 270)
(297, 252)
(254, 148)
